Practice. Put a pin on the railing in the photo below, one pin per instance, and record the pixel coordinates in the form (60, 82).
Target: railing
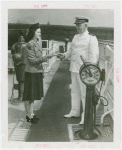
(108, 87)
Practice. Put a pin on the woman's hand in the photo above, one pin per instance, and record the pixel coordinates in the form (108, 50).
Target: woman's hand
(49, 56)
(52, 55)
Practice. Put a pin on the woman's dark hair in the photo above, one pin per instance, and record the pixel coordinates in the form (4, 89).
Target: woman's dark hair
(30, 35)
(31, 32)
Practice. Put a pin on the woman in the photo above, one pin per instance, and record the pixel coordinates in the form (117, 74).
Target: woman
(33, 89)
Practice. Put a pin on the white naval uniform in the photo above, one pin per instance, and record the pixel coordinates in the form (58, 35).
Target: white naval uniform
(87, 46)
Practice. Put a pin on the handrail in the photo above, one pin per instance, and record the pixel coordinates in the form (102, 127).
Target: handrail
(109, 48)
(110, 97)
(106, 44)
(106, 40)
(105, 60)
(105, 115)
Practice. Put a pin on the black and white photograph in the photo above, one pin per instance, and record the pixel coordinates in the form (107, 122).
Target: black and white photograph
(61, 75)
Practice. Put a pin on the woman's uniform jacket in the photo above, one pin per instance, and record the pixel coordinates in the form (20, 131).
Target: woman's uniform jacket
(34, 57)
(85, 45)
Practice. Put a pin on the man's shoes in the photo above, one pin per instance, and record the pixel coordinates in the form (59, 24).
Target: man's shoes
(70, 116)
(82, 120)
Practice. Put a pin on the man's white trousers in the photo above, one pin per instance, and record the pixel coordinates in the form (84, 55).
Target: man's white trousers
(78, 94)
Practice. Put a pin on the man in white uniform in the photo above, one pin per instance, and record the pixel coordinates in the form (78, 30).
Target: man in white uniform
(86, 45)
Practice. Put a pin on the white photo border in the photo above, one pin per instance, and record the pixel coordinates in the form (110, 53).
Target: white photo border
(116, 6)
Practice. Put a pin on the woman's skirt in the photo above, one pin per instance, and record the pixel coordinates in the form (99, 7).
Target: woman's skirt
(33, 86)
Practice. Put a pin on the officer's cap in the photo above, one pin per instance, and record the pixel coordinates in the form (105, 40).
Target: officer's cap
(80, 20)
(34, 26)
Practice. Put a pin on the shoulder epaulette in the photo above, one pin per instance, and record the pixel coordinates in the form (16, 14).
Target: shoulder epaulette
(92, 34)
(29, 45)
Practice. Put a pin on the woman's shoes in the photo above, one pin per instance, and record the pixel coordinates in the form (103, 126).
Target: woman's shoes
(28, 119)
(31, 120)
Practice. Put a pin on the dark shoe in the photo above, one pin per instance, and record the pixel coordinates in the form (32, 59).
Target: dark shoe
(32, 120)
(35, 117)
(28, 119)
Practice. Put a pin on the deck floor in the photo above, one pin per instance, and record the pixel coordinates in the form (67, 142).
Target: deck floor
(52, 126)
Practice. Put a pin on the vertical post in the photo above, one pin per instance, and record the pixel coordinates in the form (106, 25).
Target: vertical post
(88, 121)
(66, 42)
(48, 31)
(106, 74)
(87, 132)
